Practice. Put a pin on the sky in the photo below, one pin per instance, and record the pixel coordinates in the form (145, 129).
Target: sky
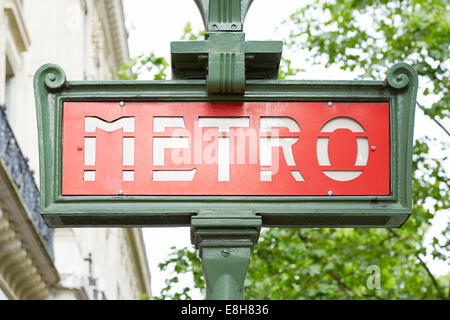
(153, 24)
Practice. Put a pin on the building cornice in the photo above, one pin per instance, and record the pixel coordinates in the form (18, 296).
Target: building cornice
(13, 11)
(119, 35)
(26, 267)
(137, 245)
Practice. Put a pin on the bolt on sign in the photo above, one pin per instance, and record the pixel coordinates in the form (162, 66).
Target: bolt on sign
(298, 153)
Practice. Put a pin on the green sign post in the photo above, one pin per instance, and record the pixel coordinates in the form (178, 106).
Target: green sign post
(224, 80)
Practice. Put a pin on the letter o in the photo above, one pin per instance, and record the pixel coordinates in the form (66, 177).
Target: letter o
(362, 148)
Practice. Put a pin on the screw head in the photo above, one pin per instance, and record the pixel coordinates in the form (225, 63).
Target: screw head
(120, 193)
(79, 148)
(330, 193)
(330, 103)
(121, 103)
(225, 252)
(373, 148)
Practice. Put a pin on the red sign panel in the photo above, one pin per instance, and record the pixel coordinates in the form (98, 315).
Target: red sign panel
(251, 148)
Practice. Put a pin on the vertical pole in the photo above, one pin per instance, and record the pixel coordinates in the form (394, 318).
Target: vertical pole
(225, 270)
(224, 237)
(225, 242)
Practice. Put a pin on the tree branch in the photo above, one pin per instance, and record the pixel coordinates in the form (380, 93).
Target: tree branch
(386, 239)
(302, 237)
(340, 283)
(433, 279)
(432, 118)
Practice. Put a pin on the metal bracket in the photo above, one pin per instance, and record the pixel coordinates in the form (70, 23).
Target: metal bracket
(225, 241)
(224, 58)
(224, 15)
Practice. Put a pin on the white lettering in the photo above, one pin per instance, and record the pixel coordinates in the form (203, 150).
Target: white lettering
(161, 143)
(223, 143)
(90, 125)
(362, 145)
(267, 144)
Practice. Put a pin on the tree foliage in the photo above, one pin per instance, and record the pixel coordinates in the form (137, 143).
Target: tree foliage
(149, 64)
(371, 35)
(365, 37)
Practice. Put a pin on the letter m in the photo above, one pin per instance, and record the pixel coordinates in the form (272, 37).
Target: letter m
(90, 144)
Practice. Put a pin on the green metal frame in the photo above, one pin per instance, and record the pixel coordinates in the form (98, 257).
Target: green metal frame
(224, 58)
(52, 90)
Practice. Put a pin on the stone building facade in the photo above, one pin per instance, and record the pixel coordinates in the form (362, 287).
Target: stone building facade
(88, 39)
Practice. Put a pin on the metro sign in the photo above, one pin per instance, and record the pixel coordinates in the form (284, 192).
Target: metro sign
(251, 148)
(296, 153)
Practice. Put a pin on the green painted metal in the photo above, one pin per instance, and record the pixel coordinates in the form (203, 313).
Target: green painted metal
(224, 15)
(52, 90)
(224, 270)
(225, 239)
(224, 58)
